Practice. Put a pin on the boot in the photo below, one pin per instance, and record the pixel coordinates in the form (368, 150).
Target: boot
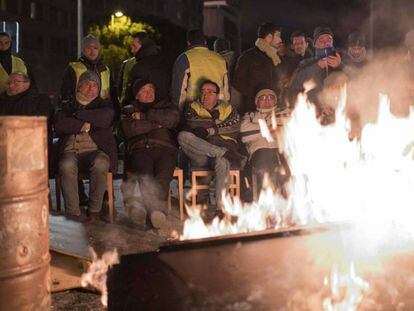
(136, 212)
(158, 220)
(235, 158)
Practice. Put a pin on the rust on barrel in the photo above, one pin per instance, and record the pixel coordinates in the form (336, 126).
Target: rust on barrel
(24, 230)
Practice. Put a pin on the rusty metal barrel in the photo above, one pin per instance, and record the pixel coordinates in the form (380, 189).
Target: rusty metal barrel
(24, 228)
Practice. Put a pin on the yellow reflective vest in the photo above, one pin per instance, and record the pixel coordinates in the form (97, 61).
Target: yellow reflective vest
(127, 66)
(204, 65)
(224, 109)
(105, 77)
(17, 65)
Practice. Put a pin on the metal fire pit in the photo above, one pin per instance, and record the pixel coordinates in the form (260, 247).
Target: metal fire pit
(270, 270)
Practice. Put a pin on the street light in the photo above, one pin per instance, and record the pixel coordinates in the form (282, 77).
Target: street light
(119, 14)
(80, 26)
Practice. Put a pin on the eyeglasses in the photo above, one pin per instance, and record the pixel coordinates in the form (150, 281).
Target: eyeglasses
(15, 82)
(267, 97)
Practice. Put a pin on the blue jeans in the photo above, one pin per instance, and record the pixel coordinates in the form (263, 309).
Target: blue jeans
(202, 154)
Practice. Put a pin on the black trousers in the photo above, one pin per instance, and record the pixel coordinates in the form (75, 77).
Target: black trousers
(155, 164)
(274, 163)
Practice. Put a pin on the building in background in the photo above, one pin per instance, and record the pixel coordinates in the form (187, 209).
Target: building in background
(48, 28)
(222, 20)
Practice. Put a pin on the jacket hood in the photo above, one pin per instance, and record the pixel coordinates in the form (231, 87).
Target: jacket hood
(149, 48)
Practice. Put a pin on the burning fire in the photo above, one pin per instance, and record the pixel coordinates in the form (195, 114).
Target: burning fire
(345, 290)
(333, 178)
(97, 272)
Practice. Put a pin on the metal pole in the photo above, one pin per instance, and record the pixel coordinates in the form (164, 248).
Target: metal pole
(80, 26)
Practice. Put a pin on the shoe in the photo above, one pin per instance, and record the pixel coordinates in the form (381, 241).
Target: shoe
(82, 217)
(158, 220)
(235, 159)
(138, 215)
(95, 217)
(104, 213)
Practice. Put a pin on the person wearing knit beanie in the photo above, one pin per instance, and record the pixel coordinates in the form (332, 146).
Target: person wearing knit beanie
(322, 30)
(87, 76)
(90, 47)
(265, 98)
(88, 92)
(138, 84)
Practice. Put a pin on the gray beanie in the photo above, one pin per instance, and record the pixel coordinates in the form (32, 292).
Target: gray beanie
(89, 76)
(89, 39)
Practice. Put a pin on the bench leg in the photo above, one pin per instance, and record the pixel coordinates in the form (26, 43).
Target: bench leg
(58, 194)
(181, 193)
(193, 189)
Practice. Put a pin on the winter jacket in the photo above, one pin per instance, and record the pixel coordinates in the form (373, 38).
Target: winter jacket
(291, 62)
(70, 81)
(149, 65)
(250, 130)
(123, 78)
(223, 119)
(231, 59)
(191, 69)
(156, 129)
(256, 66)
(309, 70)
(100, 114)
(28, 103)
(9, 64)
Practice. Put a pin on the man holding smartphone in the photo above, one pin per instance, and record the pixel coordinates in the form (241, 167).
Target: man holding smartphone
(316, 69)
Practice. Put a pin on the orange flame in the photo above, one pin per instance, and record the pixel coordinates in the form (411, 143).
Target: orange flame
(97, 272)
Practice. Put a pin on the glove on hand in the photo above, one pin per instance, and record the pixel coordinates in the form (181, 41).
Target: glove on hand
(215, 114)
(200, 132)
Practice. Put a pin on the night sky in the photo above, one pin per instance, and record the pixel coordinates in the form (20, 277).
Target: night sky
(344, 16)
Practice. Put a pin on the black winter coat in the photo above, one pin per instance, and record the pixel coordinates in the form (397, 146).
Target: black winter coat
(158, 128)
(100, 114)
(28, 103)
(151, 66)
(254, 69)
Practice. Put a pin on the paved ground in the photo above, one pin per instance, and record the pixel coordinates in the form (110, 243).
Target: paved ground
(123, 235)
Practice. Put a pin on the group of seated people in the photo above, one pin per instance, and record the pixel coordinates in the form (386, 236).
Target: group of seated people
(208, 132)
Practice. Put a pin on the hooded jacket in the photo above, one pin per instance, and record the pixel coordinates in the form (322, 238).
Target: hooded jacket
(149, 65)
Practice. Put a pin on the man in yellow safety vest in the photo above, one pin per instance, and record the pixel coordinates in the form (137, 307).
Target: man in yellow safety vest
(8, 63)
(89, 60)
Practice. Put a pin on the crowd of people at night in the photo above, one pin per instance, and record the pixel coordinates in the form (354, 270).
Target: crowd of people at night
(203, 113)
